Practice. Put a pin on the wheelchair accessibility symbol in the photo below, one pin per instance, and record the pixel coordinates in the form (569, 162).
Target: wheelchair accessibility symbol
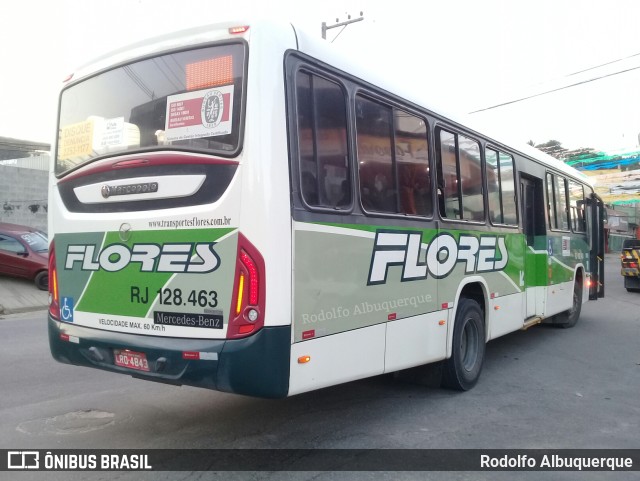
(66, 309)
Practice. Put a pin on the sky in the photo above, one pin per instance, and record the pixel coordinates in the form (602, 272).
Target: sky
(467, 55)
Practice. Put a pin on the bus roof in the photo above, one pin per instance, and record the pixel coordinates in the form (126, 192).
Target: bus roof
(394, 81)
(390, 79)
(175, 40)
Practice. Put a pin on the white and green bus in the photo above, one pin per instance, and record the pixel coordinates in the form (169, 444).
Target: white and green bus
(242, 208)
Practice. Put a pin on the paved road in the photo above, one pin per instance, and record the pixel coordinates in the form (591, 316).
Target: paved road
(544, 388)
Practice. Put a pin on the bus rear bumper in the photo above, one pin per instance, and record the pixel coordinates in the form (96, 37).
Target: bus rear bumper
(255, 366)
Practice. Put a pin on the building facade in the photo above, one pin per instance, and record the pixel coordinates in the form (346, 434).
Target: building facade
(24, 169)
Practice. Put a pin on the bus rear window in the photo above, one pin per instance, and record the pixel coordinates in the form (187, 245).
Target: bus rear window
(187, 100)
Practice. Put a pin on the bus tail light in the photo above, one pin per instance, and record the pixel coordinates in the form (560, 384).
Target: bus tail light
(54, 299)
(247, 307)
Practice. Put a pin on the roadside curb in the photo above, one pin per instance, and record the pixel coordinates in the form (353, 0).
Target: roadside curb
(18, 315)
(21, 310)
(21, 295)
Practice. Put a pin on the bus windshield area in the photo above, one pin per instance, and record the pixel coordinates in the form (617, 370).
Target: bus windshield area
(183, 100)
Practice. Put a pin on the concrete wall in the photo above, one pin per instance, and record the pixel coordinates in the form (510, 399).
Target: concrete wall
(23, 196)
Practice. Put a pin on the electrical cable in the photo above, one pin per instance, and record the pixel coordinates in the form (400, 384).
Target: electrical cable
(555, 90)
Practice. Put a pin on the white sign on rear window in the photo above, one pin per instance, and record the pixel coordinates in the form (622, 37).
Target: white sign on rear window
(112, 134)
(203, 113)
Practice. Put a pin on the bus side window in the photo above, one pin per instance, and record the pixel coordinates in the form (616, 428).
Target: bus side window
(325, 177)
(375, 159)
(493, 183)
(412, 161)
(501, 188)
(576, 200)
(460, 177)
(551, 202)
(508, 190)
(393, 159)
(448, 183)
(470, 169)
(562, 210)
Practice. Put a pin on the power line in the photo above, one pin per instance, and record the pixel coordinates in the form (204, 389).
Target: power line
(556, 89)
(138, 81)
(603, 65)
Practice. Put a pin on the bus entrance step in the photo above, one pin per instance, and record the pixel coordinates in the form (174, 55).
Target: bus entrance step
(532, 321)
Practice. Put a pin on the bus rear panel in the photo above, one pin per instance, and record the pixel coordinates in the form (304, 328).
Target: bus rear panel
(151, 272)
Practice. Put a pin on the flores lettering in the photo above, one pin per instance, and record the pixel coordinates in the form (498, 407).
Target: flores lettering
(149, 257)
(403, 248)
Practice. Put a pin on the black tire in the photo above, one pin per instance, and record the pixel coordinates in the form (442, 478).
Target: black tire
(629, 283)
(42, 280)
(462, 370)
(570, 318)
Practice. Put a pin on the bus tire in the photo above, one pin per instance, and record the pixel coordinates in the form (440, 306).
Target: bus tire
(462, 370)
(570, 318)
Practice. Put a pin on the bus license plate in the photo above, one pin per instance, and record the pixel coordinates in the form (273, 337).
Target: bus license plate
(131, 359)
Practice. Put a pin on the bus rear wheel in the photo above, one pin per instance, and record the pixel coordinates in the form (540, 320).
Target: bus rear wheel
(570, 318)
(462, 370)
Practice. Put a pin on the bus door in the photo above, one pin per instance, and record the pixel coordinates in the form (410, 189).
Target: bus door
(595, 231)
(535, 254)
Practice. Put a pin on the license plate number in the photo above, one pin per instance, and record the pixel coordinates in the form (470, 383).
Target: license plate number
(130, 359)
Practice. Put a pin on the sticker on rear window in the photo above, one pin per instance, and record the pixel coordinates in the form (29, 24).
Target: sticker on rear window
(203, 113)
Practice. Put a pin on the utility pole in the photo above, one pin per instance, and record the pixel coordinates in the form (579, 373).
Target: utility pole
(338, 23)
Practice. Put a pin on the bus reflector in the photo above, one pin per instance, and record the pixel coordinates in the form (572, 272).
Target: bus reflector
(68, 338)
(54, 299)
(441, 323)
(246, 329)
(304, 359)
(196, 356)
(240, 295)
(241, 29)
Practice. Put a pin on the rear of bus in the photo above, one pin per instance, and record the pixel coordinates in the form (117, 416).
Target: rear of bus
(169, 213)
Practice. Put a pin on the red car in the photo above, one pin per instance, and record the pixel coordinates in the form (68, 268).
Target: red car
(24, 252)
